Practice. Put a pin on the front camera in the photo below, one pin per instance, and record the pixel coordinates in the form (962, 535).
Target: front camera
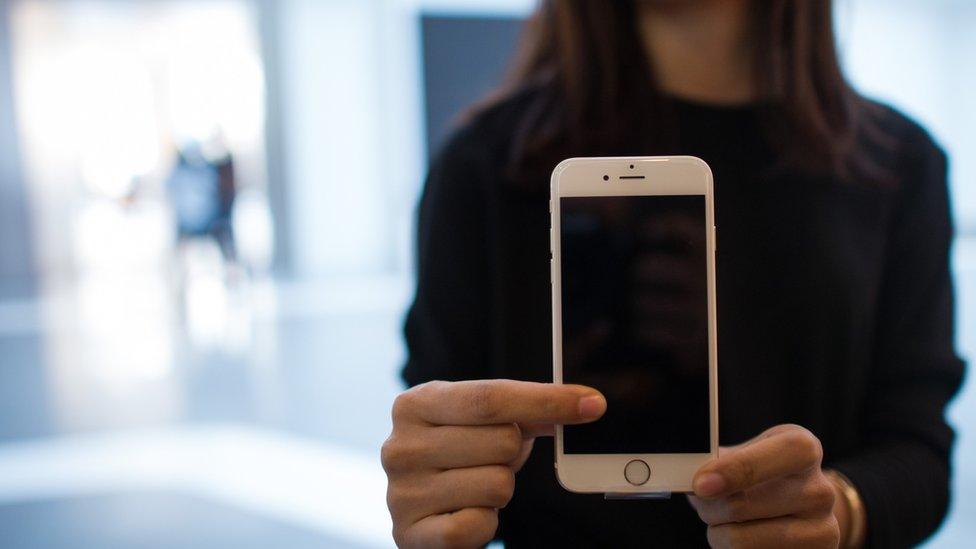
(606, 178)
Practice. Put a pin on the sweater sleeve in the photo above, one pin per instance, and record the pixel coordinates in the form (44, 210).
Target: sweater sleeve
(902, 469)
(447, 326)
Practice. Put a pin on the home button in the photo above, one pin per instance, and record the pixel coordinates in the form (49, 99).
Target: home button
(637, 472)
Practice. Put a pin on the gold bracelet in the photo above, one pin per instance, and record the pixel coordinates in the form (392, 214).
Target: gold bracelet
(857, 516)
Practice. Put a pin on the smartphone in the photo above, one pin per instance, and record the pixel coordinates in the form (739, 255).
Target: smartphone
(633, 292)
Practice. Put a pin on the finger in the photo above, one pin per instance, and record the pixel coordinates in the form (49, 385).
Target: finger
(452, 446)
(486, 402)
(785, 451)
(416, 497)
(805, 496)
(776, 533)
(471, 527)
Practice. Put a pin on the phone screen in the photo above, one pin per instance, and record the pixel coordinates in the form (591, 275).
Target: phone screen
(635, 321)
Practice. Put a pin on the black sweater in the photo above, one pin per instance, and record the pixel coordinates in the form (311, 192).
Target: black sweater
(835, 312)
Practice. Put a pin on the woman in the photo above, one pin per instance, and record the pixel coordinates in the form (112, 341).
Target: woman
(835, 301)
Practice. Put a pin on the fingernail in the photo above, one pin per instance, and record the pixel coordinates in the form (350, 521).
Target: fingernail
(709, 484)
(592, 406)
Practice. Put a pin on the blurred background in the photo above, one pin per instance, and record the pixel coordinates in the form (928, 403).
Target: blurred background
(206, 213)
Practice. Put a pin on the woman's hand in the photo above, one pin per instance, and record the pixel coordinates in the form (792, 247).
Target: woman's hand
(768, 492)
(455, 448)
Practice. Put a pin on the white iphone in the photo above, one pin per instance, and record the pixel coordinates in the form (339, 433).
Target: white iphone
(633, 315)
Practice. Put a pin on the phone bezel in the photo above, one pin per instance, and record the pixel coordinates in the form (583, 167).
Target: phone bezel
(663, 176)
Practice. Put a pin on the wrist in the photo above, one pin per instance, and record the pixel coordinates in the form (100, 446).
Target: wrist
(849, 511)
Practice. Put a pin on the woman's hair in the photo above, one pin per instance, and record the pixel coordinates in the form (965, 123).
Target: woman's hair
(588, 77)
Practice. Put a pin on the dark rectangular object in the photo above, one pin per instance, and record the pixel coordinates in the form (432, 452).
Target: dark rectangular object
(464, 59)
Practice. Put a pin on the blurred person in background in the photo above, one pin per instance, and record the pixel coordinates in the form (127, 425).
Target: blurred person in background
(201, 189)
(834, 292)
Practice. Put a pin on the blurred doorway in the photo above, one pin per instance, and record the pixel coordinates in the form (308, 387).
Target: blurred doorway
(143, 145)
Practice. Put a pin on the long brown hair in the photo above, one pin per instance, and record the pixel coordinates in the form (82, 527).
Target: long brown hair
(584, 62)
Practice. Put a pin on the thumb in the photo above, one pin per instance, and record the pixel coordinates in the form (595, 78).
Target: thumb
(533, 430)
(523, 455)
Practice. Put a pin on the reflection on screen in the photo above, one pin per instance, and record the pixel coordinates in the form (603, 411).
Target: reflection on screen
(635, 321)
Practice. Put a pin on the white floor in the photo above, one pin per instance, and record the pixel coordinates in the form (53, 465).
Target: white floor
(307, 483)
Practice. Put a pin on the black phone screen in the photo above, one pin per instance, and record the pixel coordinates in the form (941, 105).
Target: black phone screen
(635, 321)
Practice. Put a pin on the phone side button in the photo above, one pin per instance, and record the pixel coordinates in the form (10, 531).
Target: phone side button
(637, 472)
